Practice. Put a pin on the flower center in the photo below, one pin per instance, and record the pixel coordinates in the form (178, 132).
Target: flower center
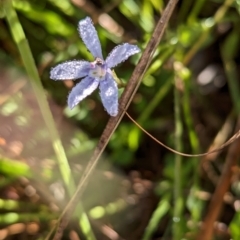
(98, 69)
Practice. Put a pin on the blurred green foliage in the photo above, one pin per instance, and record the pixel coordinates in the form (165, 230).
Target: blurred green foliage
(189, 99)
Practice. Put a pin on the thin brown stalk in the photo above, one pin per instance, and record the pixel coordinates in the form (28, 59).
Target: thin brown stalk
(223, 185)
(125, 101)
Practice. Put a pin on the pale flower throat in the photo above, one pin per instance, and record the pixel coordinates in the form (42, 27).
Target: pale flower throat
(98, 69)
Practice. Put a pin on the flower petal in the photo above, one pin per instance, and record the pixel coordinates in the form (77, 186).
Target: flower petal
(82, 90)
(89, 36)
(70, 70)
(109, 94)
(121, 53)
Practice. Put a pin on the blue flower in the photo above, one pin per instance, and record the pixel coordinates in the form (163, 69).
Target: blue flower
(96, 73)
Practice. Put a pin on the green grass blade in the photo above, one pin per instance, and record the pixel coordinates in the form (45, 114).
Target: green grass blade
(26, 55)
(178, 200)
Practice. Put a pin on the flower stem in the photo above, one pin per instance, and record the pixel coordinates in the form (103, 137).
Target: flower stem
(178, 200)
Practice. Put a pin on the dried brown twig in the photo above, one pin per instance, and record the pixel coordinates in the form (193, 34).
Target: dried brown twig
(112, 124)
(211, 151)
(216, 202)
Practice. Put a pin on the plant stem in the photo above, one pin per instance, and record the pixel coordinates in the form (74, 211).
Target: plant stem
(125, 101)
(178, 201)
